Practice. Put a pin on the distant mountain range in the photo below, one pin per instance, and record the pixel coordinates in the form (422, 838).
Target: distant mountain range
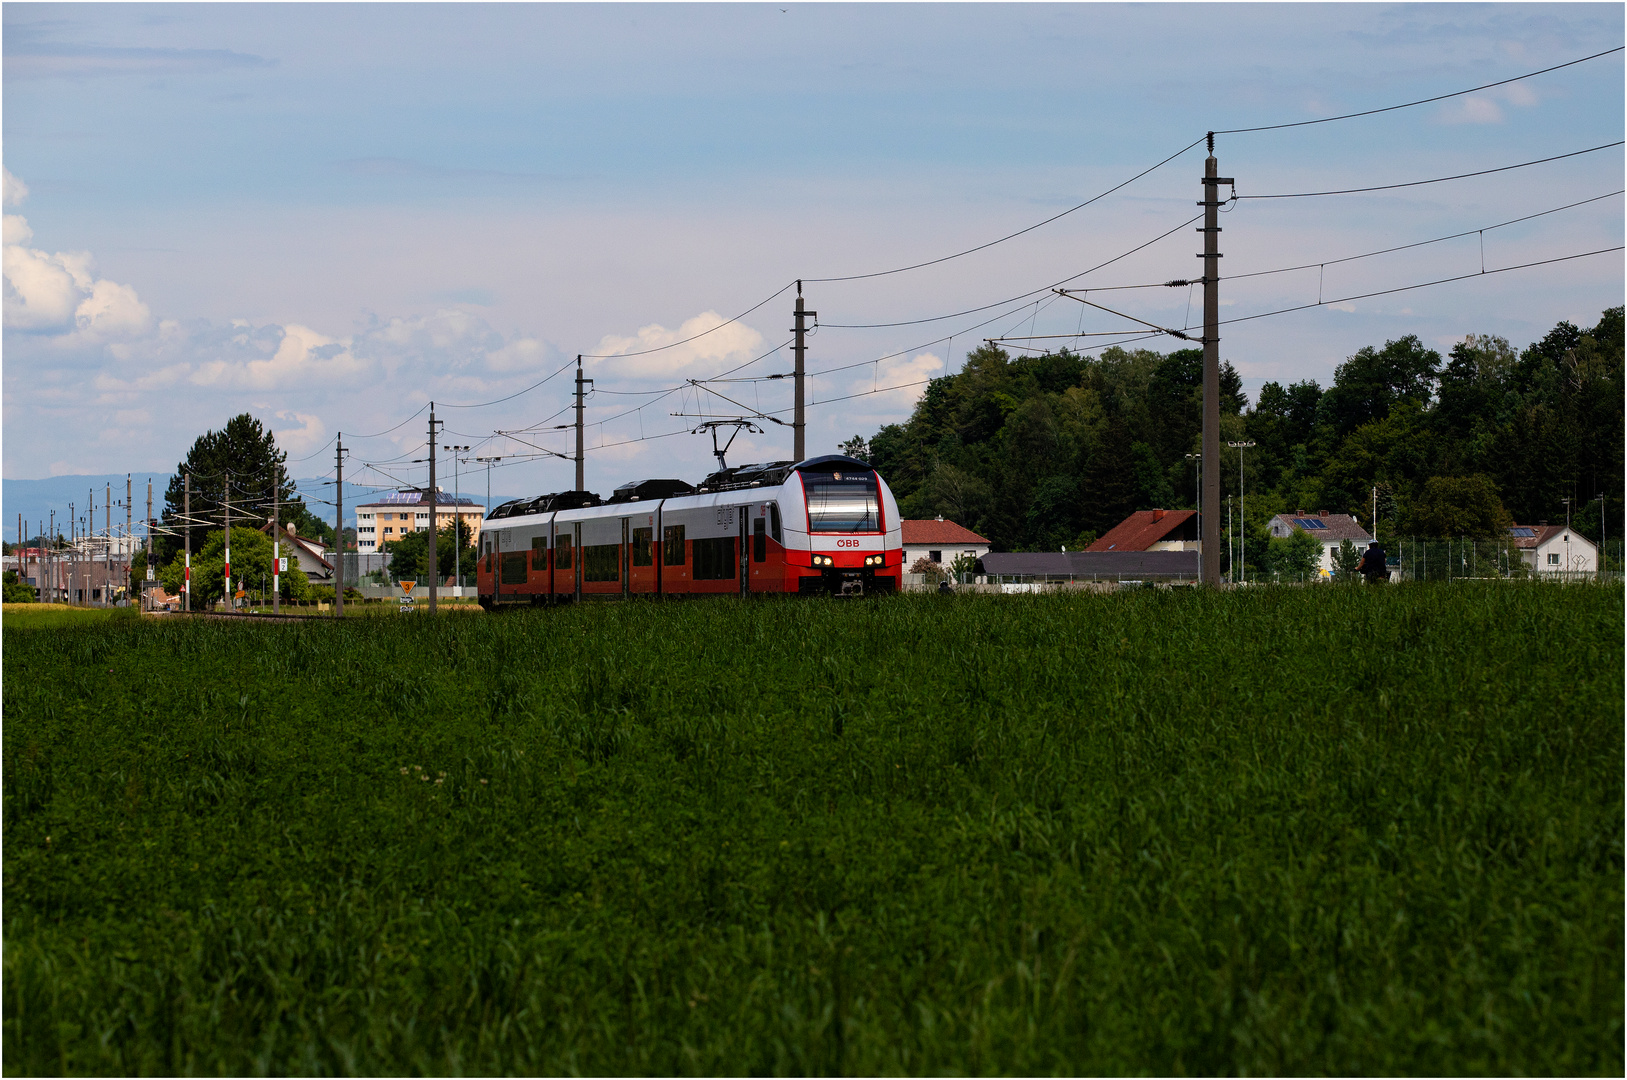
(36, 499)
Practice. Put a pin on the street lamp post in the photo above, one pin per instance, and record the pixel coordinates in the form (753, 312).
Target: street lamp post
(457, 516)
(1242, 518)
(1198, 497)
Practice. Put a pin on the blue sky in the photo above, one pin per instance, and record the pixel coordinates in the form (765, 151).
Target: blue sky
(328, 215)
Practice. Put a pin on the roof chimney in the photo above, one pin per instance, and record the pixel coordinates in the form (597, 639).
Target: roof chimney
(1299, 513)
(1157, 515)
(1322, 513)
(1543, 523)
(293, 530)
(940, 517)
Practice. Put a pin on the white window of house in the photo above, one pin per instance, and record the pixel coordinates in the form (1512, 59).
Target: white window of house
(1553, 558)
(935, 556)
(389, 529)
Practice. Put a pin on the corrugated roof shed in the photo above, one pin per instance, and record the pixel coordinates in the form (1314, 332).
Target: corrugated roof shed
(1107, 565)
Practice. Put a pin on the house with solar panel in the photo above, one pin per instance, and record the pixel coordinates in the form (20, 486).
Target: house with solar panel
(1327, 529)
(1554, 549)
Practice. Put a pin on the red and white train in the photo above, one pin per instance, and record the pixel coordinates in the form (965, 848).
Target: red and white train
(825, 525)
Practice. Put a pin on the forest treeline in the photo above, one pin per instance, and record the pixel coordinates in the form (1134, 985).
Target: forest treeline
(1036, 452)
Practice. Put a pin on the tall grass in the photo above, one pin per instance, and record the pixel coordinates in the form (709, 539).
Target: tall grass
(1312, 830)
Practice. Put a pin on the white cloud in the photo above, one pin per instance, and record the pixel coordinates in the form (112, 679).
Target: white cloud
(521, 354)
(302, 439)
(40, 290)
(58, 292)
(710, 342)
(15, 191)
(1483, 108)
(1472, 110)
(112, 310)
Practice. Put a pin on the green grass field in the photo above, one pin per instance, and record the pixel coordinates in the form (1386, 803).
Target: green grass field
(1309, 830)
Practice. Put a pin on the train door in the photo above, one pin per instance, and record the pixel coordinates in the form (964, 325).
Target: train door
(764, 572)
(626, 559)
(576, 562)
(643, 574)
(744, 545)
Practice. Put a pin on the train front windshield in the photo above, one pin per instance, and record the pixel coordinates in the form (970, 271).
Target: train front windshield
(842, 502)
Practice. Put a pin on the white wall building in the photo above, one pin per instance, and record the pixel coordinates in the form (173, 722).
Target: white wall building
(941, 542)
(1330, 530)
(1554, 549)
(394, 515)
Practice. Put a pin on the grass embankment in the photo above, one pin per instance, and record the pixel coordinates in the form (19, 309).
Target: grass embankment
(1311, 830)
(61, 616)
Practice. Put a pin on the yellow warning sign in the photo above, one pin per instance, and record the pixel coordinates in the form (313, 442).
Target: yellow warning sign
(407, 587)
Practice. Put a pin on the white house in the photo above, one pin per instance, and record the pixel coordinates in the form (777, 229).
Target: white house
(1328, 529)
(394, 515)
(302, 553)
(941, 542)
(1554, 549)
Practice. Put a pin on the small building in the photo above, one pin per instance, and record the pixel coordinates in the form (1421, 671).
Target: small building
(393, 516)
(1554, 549)
(304, 554)
(1152, 530)
(941, 542)
(1330, 530)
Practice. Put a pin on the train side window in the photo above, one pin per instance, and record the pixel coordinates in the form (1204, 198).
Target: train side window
(513, 564)
(539, 553)
(672, 547)
(643, 541)
(562, 554)
(759, 541)
(774, 522)
(715, 560)
(601, 562)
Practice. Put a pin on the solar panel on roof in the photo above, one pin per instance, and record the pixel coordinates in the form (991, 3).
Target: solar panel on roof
(1309, 523)
(1522, 531)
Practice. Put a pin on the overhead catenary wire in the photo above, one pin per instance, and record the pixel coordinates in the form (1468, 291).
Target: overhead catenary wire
(1420, 101)
(1020, 296)
(1434, 180)
(1422, 285)
(663, 392)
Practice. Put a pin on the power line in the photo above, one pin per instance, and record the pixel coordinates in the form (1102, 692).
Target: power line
(1422, 285)
(499, 401)
(1436, 180)
(1011, 236)
(1020, 296)
(687, 340)
(1420, 101)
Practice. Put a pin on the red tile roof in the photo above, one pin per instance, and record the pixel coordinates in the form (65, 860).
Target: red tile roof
(1142, 529)
(939, 532)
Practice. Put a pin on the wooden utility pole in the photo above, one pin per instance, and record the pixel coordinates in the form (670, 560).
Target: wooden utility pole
(107, 557)
(339, 525)
(799, 427)
(581, 482)
(434, 497)
(1209, 523)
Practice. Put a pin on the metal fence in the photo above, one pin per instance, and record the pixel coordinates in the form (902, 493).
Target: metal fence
(1415, 559)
